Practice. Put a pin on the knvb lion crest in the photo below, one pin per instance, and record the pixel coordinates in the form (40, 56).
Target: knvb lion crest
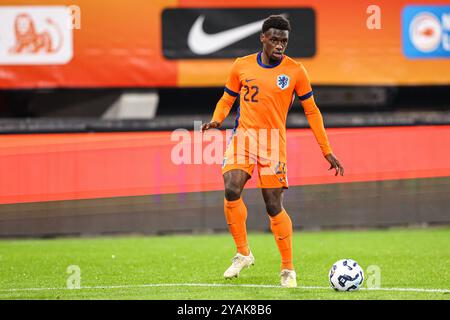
(33, 35)
(29, 40)
(283, 81)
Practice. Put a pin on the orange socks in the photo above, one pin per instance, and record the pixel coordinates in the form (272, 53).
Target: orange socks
(281, 226)
(236, 216)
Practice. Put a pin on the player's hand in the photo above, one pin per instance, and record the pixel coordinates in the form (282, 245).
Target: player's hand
(334, 163)
(210, 125)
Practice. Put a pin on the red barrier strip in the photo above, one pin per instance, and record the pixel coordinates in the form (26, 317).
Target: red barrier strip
(50, 167)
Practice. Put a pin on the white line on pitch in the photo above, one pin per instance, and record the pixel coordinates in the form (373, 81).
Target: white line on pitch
(219, 285)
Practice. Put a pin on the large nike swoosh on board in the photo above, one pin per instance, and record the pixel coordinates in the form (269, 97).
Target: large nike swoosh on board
(202, 43)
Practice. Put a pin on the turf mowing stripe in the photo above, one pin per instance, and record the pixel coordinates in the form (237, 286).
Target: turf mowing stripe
(219, 285)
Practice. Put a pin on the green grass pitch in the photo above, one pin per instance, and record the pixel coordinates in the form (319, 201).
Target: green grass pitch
(191, 267)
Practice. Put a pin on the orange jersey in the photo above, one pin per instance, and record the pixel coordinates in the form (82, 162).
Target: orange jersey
(266, 96)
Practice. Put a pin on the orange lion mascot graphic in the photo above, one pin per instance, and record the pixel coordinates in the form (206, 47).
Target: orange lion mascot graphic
(28, 40)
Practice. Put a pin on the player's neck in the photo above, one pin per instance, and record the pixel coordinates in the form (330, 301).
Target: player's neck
(266, 60)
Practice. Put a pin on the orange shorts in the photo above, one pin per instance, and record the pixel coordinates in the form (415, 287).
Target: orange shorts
(270, 174)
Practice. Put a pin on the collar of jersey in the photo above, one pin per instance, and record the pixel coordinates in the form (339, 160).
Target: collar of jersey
(259, 60)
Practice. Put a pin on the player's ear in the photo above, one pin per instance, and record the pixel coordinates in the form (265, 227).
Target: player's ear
(261, 37)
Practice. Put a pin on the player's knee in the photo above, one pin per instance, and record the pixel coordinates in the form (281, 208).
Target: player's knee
(232, 192)
(273, 207)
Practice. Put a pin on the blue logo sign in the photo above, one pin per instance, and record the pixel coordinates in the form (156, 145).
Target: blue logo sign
(283, 81)
(426, 31)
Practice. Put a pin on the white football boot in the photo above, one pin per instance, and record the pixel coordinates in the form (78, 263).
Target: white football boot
(239, 262)
(288, 278)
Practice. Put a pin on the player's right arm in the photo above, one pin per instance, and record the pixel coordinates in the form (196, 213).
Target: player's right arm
(224, 105)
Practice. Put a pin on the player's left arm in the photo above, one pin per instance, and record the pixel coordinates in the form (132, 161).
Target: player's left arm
(315, 119)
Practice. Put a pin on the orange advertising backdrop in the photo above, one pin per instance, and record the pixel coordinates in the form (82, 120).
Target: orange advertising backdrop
(119, 44)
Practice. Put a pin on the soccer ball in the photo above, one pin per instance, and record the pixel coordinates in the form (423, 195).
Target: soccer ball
(346, 275)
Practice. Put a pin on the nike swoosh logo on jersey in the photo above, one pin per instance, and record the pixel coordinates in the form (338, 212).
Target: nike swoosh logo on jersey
(248, 80)
(202, 43)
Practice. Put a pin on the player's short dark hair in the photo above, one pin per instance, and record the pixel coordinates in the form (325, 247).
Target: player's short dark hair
(277, 22)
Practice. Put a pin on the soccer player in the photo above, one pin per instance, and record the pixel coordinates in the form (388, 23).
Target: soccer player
(266, 83)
